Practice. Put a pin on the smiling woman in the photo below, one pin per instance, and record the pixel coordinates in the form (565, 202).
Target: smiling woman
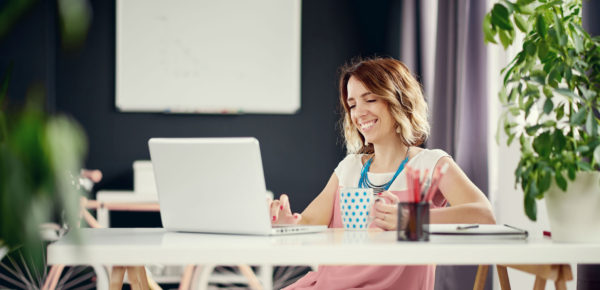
(384, 122)
(402, 94)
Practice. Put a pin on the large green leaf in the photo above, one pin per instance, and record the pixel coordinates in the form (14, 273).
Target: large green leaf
(542, 27)
(560, 31)
(559, 140)
(544, 181)
(505, 38)
(560, 112)
(560, 181)
(530, 207)
(489, 32)
(542, 144)
(591, 124)
(500, 17)
(521, 23)
(548, 106)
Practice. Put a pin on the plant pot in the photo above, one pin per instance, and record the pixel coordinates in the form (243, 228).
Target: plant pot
(574, 215)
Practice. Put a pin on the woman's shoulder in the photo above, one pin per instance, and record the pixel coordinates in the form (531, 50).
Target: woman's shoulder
(419, 152)
(350, 161)
(352, 158)
(427, 157)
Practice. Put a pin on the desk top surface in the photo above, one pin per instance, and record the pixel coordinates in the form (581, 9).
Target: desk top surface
(134, 246)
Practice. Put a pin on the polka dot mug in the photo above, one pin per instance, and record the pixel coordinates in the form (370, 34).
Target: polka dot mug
(355, 206)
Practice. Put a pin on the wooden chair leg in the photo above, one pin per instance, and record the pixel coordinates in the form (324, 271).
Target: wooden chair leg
(53, 277)
(153, 284)
(540, 283)
(186, 279)
(137, 277)
(49, 278)
(116, 277)
(253, 281)
(481, 276)
(503, 277)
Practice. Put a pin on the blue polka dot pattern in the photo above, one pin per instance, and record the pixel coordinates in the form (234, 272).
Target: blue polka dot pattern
(354, 206)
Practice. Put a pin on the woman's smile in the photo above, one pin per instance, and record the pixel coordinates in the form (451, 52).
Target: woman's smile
(367, 125)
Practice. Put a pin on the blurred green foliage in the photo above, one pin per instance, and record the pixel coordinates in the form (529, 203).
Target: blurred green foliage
(551, 92)
(40, 154)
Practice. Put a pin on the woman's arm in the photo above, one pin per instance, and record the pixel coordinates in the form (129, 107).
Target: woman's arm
(467, 203)
(318, 212)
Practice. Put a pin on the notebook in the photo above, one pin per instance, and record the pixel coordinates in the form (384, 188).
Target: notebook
(214, 185)
(478, 230)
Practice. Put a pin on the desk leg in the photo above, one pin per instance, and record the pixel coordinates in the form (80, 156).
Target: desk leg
(540, 283)
(137, 277)
(481, 276)
(116, 277)
(560, 285)
(503, 277)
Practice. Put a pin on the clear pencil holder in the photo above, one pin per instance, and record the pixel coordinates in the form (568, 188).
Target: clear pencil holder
(413, 221)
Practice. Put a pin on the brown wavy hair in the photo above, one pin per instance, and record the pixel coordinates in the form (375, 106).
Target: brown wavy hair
(391, 81)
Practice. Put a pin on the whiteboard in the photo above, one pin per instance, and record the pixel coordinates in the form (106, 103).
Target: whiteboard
(208, 56)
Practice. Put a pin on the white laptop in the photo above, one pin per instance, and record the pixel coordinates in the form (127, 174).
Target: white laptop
(214, 185)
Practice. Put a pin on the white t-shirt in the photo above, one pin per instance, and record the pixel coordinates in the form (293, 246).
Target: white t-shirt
(348, 171)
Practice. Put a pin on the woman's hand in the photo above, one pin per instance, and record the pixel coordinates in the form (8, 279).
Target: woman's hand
(385, 211)
(281, 212)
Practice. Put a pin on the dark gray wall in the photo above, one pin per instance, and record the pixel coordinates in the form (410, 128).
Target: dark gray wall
(299, 151)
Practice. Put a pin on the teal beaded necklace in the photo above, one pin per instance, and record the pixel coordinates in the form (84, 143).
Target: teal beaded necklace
(364, 181)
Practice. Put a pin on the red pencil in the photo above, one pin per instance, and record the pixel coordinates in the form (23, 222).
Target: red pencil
(417, 185)
(409, 180)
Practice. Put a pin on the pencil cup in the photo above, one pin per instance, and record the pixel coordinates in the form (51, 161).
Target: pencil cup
(355, 206)
(413, 221)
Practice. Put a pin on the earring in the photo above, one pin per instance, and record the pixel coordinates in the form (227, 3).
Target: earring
(398, 129)
(366, 143)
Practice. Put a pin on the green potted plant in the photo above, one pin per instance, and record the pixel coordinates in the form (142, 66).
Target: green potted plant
(41, 154)
(40, 158)
(550, 98)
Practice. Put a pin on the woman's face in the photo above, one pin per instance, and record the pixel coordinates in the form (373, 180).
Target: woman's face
(369, 112)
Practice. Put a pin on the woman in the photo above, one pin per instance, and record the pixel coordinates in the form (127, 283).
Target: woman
(385, 119)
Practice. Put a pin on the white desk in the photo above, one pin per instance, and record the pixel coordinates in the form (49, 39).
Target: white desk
(138, 246)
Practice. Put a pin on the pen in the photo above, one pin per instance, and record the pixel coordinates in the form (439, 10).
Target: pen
(467, 227)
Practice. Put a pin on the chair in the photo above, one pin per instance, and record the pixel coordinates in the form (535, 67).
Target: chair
(559, 273)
